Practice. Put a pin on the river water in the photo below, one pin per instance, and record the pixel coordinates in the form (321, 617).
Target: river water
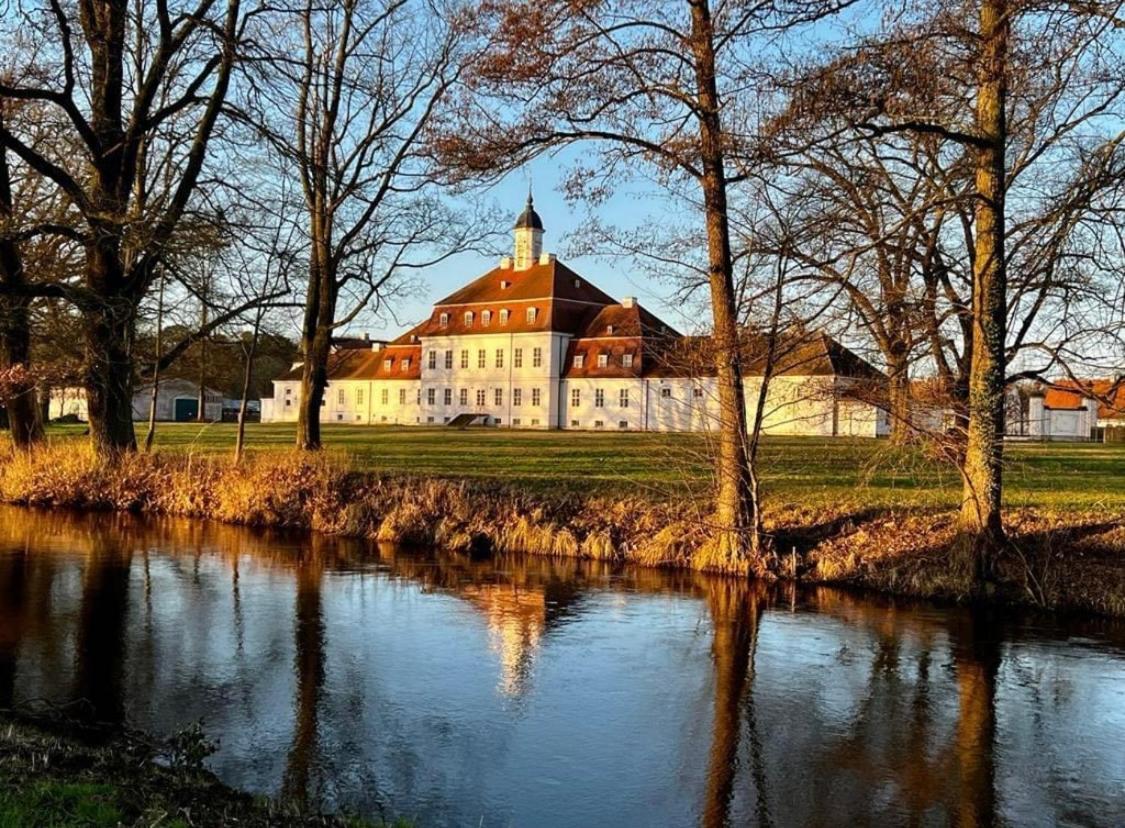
(532, 692)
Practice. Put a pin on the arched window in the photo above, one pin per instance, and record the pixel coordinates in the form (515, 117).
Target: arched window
(468, 319)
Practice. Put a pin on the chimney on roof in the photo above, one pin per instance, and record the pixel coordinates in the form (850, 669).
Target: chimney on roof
(629, 302)
(506, 263)
(366, 336)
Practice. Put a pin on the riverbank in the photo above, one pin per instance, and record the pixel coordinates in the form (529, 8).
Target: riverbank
(1066, 560)
(58, 771)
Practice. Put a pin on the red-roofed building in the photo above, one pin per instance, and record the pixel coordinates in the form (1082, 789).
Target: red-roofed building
(1069, 409)
(533, 344)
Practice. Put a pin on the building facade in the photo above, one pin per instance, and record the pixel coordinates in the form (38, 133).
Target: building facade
(533, 344)
(177, 400)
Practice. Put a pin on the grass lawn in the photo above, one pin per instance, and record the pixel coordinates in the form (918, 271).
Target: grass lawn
(855, 473)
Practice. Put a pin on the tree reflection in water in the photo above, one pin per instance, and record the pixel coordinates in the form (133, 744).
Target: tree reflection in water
(809, 706)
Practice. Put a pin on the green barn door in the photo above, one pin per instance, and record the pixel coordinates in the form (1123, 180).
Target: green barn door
(186, 410)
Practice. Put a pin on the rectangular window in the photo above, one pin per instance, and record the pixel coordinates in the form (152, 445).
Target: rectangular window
(599, 398)
(468, 319)
(480, 358)
(666, 393)
(480, 396)
(534, 422)
(516, 421)
(387, 363)
(341, 396)
(627, 360)
(385, 396)
(444, 320)
(464, 359)
(531, 314)
(359, 396)
(622, 423)
(419, 400)
(517, 358)
(448, 360)
(535, 396)
(504, 317)
(405, 365)
(697, 392)
(603, 360)
(575, 397)
(574, 423)
(578, 360)
(486, 318)
(289, 392)
(448, 396)
(464, 396)
(623, 398)
(517, 396)
(536, 357)
(402, 396)
(498, 394)
(431, 360)
(499, 357)
(599, 423)
(429, 396)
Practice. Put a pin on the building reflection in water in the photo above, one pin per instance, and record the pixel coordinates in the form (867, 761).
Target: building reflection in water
(812, 707)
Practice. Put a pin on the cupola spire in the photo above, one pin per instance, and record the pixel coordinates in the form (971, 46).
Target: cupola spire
(528, 234)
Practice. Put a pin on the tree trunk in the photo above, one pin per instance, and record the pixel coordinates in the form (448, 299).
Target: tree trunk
(980, 523)
(316, 341)
(150, 435)
(734, 507)
(109, 382)
(898, 387)
(15, 327)
(247, 377)
(15, 349)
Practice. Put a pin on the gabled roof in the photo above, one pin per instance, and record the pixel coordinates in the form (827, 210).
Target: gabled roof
(809, 355)
(624, 320)
(551, 280)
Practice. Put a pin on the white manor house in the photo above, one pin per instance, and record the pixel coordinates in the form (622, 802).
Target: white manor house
(532, 344)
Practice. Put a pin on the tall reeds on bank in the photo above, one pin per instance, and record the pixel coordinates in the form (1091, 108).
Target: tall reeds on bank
(321, 493)
(1071, 560)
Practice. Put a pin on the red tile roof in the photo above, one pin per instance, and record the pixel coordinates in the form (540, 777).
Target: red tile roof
(553, 280)
(1069, 395)
(351, 364)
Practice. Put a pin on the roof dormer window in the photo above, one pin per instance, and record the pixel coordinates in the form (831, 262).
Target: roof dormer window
(532, 313)
(627, 360)
(486, 318)
(468, 319)
(578, 360)
(405, 365)
(387, 363)
(444, 320)
(603, 360)
(505, 284)
(504, 316)
(609, 330)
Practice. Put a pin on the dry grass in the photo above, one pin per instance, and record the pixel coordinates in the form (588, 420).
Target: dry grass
(1057, 559)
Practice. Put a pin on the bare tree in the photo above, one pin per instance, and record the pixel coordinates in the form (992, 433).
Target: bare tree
(674, 86)
(346, 94)
(937, 75)
(139, 90)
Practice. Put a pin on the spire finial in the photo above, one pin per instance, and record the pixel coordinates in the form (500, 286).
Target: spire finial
(529, 200)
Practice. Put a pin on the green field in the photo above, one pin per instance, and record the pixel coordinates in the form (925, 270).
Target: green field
(804, 470)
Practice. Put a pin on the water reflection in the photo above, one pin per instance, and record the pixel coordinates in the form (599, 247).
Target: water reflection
(538, 692)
